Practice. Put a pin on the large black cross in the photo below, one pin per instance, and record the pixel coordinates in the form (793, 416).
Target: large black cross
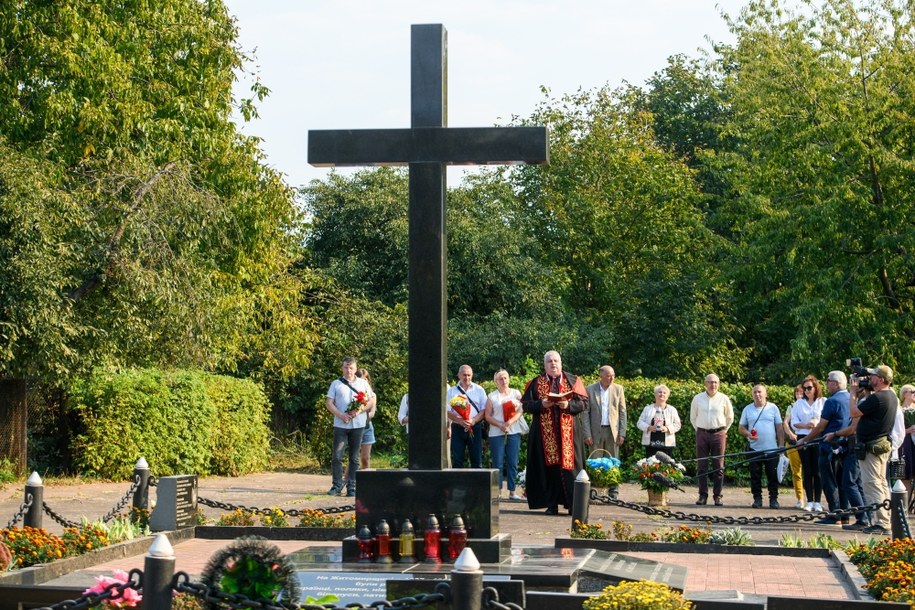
(427, 147)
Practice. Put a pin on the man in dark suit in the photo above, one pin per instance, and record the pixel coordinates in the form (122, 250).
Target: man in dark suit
(603, 424)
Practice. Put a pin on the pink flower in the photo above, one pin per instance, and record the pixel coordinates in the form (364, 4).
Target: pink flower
(129, 598)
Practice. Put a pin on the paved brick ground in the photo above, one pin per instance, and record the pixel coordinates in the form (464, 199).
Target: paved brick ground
(756, 575)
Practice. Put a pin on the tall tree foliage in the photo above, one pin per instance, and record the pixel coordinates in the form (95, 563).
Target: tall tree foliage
(138, 226)
(821, 115)
(618, 216)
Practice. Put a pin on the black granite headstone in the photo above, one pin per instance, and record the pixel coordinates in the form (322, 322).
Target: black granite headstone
(176, 503)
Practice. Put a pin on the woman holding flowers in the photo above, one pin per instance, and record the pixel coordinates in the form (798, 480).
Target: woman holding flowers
(659, 423)
(503, 412)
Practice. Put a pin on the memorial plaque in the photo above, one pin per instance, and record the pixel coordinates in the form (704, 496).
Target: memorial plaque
(350, 587)
(176, 503)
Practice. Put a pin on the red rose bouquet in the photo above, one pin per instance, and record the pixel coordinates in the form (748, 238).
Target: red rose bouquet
(357, 406)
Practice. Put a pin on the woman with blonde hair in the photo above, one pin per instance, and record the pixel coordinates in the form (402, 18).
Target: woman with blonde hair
(907, 450)
(506, 425)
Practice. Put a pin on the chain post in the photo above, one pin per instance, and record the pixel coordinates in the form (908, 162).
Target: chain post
(467, 582)
(141, 474)
(34, 487)
(898, 506)
(581, 498)
(158, 571)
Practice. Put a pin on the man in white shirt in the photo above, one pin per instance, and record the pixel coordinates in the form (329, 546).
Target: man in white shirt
(467, 434)
(711, 414)
(349, 423)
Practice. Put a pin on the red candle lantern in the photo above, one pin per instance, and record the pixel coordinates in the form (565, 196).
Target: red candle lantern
(432, 537)
(457, 537)
(383, 542)
(366, 545)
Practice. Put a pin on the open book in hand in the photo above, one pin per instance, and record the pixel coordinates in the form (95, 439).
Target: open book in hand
(556, 397)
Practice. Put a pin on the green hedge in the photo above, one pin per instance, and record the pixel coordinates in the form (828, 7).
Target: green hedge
(180, 421)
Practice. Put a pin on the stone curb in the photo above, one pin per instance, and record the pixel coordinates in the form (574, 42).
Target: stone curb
(851, 573)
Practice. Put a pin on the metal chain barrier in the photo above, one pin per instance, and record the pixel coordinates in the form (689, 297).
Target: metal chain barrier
(58, 518)
(112, 592)
(23, 509)
(491, 601)
(728, 520)
(123, 502)
(182, 584)
(266, 511)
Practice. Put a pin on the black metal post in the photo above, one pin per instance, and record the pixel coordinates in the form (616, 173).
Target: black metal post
(34, 488)
(581, 498)
(141, 496)
(158, 572)
(898, 505)
(467, 582)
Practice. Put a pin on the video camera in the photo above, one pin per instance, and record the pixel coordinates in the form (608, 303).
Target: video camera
(860, 372)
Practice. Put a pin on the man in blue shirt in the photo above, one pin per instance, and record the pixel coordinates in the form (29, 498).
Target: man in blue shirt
(761, 424)
(833, 418)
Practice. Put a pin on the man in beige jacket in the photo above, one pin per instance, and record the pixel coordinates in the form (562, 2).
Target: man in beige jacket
(604, 421)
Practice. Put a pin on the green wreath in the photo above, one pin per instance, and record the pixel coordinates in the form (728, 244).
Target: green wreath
(254, 568)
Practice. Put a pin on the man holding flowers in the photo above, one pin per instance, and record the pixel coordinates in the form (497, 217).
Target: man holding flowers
(347, 399)
(466, 403)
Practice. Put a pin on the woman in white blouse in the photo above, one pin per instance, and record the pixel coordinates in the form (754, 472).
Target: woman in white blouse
(505, 432)
(805, 414)
(659, 422)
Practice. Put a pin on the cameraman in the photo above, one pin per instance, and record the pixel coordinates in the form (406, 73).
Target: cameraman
(877, 415)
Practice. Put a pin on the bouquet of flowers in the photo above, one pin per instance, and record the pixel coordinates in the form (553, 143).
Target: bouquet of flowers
(646, 468)
(603, 471)
(360, 400)
(461, 406)
(908, 416)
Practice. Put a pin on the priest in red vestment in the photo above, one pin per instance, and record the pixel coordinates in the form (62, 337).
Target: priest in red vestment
(553, 398)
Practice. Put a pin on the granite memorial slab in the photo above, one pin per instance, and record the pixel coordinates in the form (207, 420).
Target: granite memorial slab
(176, 503)
(539, 568)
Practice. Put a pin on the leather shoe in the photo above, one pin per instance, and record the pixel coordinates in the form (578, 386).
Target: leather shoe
(756, 504)
(718, 502)
(702, 501)
(552, 510)
(773, 504)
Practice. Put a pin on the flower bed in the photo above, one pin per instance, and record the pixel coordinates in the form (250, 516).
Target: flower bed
(889, 568)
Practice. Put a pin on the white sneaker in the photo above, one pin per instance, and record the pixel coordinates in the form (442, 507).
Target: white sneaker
(799, 505)
(809, 507)
(515, 497)
(817, 507)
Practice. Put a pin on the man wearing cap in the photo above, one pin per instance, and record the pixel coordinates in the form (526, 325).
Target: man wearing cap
(877, 415)
(711, 414)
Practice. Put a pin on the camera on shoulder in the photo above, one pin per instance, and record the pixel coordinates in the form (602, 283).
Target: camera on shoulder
(860, 373)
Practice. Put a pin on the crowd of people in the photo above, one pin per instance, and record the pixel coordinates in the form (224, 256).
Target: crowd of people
(838, 446)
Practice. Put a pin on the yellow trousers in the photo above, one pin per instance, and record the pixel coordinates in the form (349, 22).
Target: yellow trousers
(794, 459)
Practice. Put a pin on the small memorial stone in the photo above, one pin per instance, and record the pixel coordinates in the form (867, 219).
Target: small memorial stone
(176, 503)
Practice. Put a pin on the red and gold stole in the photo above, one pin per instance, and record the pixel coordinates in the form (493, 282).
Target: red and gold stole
(556, 427)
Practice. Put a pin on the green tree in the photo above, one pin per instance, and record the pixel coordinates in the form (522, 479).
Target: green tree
(619, 216)
(138, 225)
(821, 115)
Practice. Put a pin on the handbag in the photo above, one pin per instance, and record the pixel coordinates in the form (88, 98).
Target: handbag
(524, 427)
